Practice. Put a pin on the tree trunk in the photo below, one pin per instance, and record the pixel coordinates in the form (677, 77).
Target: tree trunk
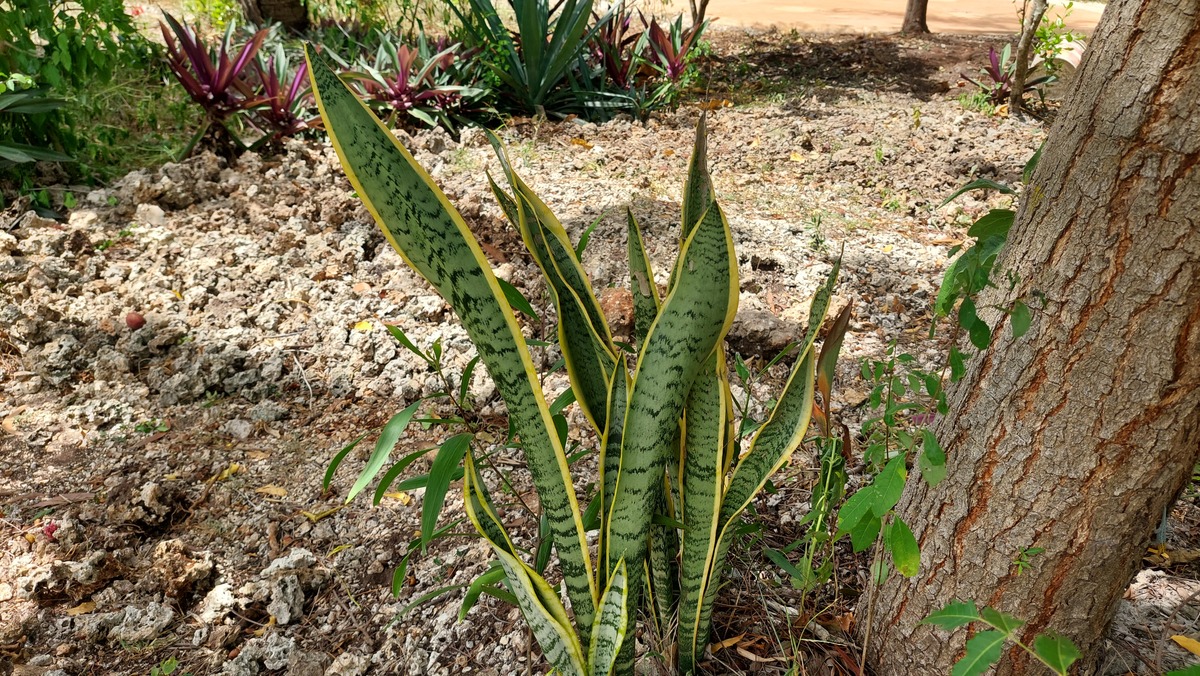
(698, 10)
(1024, 46)
(914, 17)
(293, 14)
(1076, 436)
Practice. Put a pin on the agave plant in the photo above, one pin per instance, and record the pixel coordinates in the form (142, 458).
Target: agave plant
(538, 57)
(673, 479)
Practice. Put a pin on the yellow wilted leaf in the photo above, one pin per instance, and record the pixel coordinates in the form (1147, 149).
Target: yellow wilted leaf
(85, 607)
(1187, 643)
(403, 497)
(272, 489)
(338, 549)
(263, 629)
(796, 157)
(727, 642)
(317, 516)
(713, 104)
(173, 476)
(582, 143)
(229, 471)
(755, 143)
(177, 294)
(364, 325)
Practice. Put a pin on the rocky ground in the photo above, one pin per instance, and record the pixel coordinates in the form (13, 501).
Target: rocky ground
(181, 359)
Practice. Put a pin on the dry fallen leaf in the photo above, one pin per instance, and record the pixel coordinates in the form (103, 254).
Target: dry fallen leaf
(263, 629)
(272, 489)
(258, 455)
(1187, 643)
(229, 471)
(713, 104)
(317, 516)
(361, 287)
(85, 607)
(796, 157)
(721, 645)
(364, 325)
(582, 143)
(403, 497)
(756, 658)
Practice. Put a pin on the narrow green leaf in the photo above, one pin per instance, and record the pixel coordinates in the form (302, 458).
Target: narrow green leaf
(518, 300)
(1031, 165)
(906, 554)
(403, 339)
(983, 650)
(445, 464)
(394, 471)
(337, 461)
(955, 614)
(1020, 319)
(491, 577)
(979, 184)
(586, 237)
(464, 384)
(428, 596)
(388, 436)
(562, 401)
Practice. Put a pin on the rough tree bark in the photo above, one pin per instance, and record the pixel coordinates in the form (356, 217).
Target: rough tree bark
(699, 8)
(1033, 19)
(292, 14)
(914, 17)
(1075, 436)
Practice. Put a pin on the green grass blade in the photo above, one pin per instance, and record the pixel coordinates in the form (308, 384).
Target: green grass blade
(431, 236)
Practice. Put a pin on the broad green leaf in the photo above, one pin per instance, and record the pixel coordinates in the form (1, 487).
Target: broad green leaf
(955, 614)
(1031, 165)
(1059, 653)
(1193, 670)
(983, 650)
(517, 300)
(958, 366)
(856, 508)
(337, 461)
(977, 329)
(890, 484)
(864, 534)
(906, 555)
(432, 237)
(995, 223)
(1020, 319)
(388, 436)
(612, 624)
(448, 457)
(932, 462)
(1000, 620)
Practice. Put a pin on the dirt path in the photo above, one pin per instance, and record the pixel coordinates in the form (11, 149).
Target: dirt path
(883, 16)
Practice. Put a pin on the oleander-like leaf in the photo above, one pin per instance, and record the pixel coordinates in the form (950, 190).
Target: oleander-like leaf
(1058, 652)
(955, 614)
(431, 236)
(983, 650)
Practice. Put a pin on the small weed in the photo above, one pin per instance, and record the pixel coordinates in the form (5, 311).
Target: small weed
(104, 245)
(1024, 559)
(816, 234)
(151, 426)
(916, 117)
(167, 667)
(879, 154)
(977, 101)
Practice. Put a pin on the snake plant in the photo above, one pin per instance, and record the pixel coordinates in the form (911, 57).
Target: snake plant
(673, 480)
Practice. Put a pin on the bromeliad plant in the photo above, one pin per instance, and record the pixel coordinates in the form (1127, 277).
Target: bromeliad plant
(673, 478)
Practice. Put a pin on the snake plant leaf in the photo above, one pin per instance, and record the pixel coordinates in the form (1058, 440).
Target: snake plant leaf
(698, 191)
(610, 447)
(694, 319)
(641, 282)
(582, 329)
(538, 602)
(612, 623)
(431, 236)
(706, 428)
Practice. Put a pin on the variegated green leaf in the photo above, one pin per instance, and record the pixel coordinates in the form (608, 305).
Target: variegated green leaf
(645, 292)
(694, 319)
(431, 236)
(698, 192)
(706, 428)
(613, 621)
